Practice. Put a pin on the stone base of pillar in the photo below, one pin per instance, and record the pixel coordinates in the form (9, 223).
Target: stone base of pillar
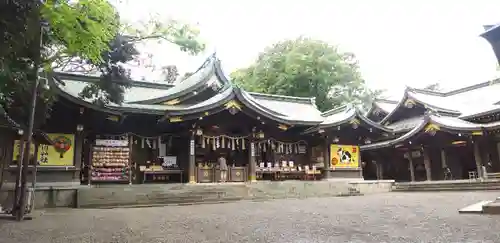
(326, 174)
(492, 207)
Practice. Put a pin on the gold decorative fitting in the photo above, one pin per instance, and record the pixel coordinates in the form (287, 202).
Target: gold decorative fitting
(113, 118)
(477, 133)
(233, 104)
(283, 127)
(175, 119)
(355, 123)
(172, 102)
(458, 142)
(409, 103)
(432, 129)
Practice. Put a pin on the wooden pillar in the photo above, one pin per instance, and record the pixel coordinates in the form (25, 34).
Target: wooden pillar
(478, 159)
(412, 167)
(427, 164)
(380, 171)
(497, 164)
(444, 163)
(326, 158)
(77, 161)
(192, 166)
(35, 166)
(252, 165)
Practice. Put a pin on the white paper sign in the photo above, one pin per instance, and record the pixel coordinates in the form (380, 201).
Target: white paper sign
(252, 149)
(111, 143)
(169, 161)
(191, 147)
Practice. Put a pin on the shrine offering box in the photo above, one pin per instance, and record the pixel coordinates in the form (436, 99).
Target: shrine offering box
(205, 175)
(237, 174)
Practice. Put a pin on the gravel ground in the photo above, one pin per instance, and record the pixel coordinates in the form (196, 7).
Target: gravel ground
(391, 217)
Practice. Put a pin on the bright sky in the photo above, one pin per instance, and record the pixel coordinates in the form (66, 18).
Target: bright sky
(398, 43)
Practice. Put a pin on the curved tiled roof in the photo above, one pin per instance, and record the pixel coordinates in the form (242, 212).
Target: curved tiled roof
(281, 111)
(284, 109)
(204, 78)
(343, 115)
(430, 100)
(446, 122)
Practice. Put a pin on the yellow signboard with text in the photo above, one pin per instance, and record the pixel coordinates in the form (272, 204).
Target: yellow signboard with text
(62, 153)
(344, 156)
(16, 151)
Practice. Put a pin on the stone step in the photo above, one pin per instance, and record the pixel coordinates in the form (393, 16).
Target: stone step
(474, 188)
(170, 201)
(194, 194)
(447, 186)
(492, 208)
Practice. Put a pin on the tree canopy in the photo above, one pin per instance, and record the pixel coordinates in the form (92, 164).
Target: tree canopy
(79, 36)
(307, 67)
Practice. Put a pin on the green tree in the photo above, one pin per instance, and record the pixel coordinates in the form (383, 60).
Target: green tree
(307, 67)
(81, 28)
(84, 35)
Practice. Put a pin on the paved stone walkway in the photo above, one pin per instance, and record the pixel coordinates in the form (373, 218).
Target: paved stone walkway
(391, 217)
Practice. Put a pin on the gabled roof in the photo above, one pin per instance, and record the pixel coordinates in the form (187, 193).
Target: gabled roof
(380, 108)
(468, 102)
(139, 90)
(405, 125)
(215, 101)
(345, 115)
(8, 123)
(155, 100)
(208, 76)
(430, 100)
(289, 110)
(492, 35)
(384, 105)
(436, 122)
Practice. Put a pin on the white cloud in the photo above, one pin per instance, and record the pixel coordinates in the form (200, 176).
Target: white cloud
(398, 43)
